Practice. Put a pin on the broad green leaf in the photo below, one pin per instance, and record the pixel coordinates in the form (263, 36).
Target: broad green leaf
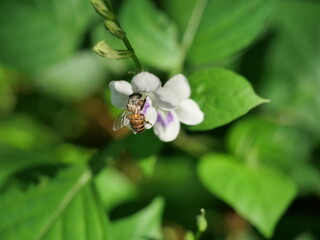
(292, 77)
(222, 95)
(152, 35)
(13, 159)
(275, 144)
(114, 188)
(55, 207)
(36, 34)
(285, 148)
(145, 224)
(261, 195)
(83, 219)
(226, 26)
(74, 78)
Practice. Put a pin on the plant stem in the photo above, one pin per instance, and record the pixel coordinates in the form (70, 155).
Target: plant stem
(125, 39)
(190, 32)
(134, 56)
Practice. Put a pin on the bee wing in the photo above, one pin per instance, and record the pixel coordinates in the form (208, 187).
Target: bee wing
(121, 121)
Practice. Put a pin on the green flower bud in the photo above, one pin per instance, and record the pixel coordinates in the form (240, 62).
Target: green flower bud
(104, 50)
(201, 221)
(102, 9)
(114, 29)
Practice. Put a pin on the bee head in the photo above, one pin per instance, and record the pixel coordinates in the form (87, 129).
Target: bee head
(135, 102)
(135, 96)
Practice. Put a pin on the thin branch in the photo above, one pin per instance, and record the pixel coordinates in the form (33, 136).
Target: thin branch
(191, 31)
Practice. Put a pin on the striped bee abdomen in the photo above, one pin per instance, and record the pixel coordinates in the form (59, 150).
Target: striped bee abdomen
(137, 122)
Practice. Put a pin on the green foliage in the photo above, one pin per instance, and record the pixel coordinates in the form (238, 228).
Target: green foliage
(63, 171)
(227, 26)
(13, 159)
(292, 75)
(258, 193)
(23, 132)
(144, 224)
(7, 96)
(36, 34)
(88, 77)
(222, 95)
(285, 148)
(114, 188)
(160, 49)
(35, 212)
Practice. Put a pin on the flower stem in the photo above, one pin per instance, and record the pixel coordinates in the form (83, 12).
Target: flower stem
(134, 56)
(105, 9)
(126, 41)
(190, 32)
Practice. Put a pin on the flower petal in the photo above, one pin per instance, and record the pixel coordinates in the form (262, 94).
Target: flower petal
(167, 126)
(166, 99)
(180, 85)
(189, 112)
(151, 118)
(149, 113)
(120, 90)
(145, 82)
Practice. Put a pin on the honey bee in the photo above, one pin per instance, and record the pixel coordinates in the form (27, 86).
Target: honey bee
(132, 114)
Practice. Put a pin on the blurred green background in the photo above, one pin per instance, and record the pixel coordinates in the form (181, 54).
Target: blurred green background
(64, 174)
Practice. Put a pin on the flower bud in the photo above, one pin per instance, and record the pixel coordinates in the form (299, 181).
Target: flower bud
(104, 50)
(114, 29)
(201, 221)
(102, 9)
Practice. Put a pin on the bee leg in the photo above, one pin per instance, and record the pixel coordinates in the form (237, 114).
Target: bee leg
(145, 120)
(143, 102)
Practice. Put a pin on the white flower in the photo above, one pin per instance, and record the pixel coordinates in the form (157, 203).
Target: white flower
(167, 126)
(150, 85)
(165, 106)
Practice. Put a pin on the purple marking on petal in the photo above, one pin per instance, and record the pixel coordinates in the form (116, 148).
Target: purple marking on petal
(165, 121)
(170, 117)
(145, 108)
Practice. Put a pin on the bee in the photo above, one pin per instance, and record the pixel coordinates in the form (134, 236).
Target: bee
(132, 114)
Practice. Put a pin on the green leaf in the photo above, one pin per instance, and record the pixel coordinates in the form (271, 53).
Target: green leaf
(222, 95)
(292, 76)
(275, 144)
(226, 27)
(145, 224)
(286, 148)
(36, 34)
(152, 35)
(261, 195)
(13, 159)
(83, 219)
(62, 206)
(114, 188)
(87, 79)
